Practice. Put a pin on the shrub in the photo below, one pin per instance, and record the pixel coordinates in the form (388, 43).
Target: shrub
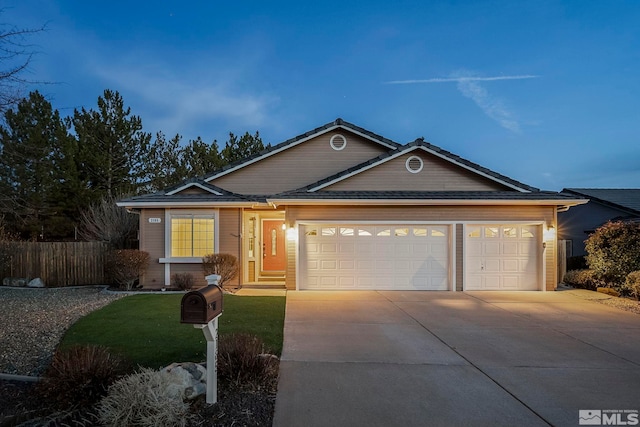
(79, 376)
(224, 265)
(125, 266)
(143, 399)
(184, 281)
(632, 284)
(242, 361)
(584, 279)
(613, 251)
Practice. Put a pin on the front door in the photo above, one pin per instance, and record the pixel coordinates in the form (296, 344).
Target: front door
(273, 247)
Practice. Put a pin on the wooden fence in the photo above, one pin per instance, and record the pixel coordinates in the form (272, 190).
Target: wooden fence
(58, 263)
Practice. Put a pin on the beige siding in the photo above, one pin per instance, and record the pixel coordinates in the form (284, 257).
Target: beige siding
(299, 166)
(436, 175)
(452, 214)
(229, 238)
(194, 269)
(152, 241)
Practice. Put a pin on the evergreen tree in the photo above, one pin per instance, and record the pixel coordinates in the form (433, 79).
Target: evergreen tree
(33, 142)
(200, 158)
(111, 147)
(240, 148)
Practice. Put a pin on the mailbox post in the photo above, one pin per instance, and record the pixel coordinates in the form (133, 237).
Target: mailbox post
(202, 309)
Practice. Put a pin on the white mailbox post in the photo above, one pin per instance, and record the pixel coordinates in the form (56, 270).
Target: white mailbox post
(210, 331)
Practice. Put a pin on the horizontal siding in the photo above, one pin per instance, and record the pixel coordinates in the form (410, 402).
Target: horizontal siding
(229, 238)
(298, 166)
(152, 241)
(436, 175)
(194, 269)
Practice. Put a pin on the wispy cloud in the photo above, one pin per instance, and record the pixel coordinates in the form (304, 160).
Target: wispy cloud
(471, 88)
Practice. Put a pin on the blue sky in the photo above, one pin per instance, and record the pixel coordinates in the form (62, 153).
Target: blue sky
(545, 92)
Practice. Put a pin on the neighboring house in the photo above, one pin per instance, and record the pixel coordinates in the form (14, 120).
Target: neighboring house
(340, 207)
(605, 204)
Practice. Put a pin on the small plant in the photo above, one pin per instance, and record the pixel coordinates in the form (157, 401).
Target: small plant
(145, 398)
(224, 265)
(125, 266)
(632, 284)
(183, 281)
(80, 376)
(242, 361)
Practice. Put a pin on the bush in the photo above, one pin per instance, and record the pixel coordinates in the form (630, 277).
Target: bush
(585, 279)
(143, 399)
(613, 251)
(242, 361)
(184, 281)
(632, 284)
(80, 376)
(224, 265)
(125, 266)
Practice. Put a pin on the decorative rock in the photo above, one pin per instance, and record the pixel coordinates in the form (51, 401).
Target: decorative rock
(188, 380)
(17, 282)
(36, 283)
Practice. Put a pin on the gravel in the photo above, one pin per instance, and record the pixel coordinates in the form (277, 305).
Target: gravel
(33, 321)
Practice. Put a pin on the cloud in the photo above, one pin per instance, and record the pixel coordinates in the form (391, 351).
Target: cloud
(471, 88)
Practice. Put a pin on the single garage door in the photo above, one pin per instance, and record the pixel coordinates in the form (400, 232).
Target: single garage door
(374, 256)
(502, 257)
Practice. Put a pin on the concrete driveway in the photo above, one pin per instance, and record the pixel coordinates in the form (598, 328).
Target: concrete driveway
(454, 358)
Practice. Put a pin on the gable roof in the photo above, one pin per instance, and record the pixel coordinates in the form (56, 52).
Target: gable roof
(420, 144)
(292, 142)
(626, 199)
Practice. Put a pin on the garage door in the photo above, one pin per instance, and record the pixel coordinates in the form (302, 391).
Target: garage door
(393, 257)
(502, 257)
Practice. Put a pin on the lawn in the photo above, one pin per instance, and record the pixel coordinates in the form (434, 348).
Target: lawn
(146, 329)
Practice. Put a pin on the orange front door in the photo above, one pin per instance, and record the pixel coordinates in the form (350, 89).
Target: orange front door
(273, 246)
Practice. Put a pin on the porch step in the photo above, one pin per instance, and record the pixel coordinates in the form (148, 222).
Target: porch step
(264, 286)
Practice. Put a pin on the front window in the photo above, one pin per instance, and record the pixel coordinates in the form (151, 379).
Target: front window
(192, 235)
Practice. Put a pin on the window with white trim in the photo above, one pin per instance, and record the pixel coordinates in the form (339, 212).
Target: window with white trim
(192, 235)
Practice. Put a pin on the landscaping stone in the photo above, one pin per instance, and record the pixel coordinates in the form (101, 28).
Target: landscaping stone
(36, 283)
(188, 380)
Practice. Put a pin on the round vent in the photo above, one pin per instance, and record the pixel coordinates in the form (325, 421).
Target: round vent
(338, 142)
(414, 164)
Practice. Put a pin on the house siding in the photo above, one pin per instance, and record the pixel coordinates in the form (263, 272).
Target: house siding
(152, 241)
(229, 236)
(436, 175)
(300, 165)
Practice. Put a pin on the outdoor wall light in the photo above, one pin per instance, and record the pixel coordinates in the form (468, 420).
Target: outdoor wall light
(292, 234)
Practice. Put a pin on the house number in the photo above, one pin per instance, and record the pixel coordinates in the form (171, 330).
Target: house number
(155, 220)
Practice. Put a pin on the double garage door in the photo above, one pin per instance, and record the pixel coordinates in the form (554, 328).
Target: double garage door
(417, 256)
(376, 256)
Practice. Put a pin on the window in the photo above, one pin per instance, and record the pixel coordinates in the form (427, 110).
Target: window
(402, 232)
(346, 231)
(192, 235)
(438, 231)
(328, 231)
(510, 232)
(420, 232)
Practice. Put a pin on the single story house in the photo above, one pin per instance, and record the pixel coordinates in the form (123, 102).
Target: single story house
(605, 204)
(340, 207)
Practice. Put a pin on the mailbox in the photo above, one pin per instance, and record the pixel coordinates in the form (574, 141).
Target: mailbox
(202, 305)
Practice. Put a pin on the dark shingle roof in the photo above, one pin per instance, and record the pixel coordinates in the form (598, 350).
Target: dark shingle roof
(622, 198)
(424, 195)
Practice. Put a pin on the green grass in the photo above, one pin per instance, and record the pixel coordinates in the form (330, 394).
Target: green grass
(146, 329)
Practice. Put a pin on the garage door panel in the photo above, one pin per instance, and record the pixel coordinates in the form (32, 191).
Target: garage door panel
(402, 257)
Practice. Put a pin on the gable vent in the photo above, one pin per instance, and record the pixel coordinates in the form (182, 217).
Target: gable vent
(414, 164)
(338, 142)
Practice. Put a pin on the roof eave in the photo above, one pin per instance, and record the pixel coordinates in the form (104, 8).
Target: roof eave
(429, 202)
(184, 204)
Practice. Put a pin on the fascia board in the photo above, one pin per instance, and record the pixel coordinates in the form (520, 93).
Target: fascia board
(183, 204)
(428, 202)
